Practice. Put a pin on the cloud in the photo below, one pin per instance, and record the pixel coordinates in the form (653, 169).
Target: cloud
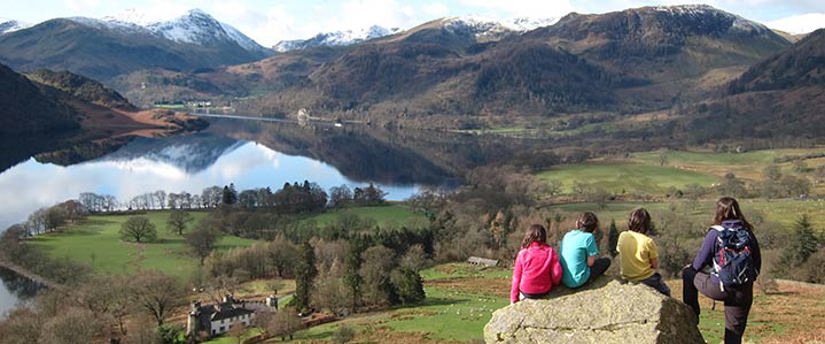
(521, 8)
(798, 24)
(80, 6)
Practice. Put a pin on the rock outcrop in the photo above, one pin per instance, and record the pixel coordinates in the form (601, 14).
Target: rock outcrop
(615, 313)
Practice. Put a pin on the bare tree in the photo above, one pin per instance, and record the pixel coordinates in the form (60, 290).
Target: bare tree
(285, 323)
(73, 325)
(201, 242)
(178, 220)
(156, 293)
(138, 228)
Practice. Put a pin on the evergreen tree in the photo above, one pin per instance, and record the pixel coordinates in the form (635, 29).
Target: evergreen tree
(612, 238)
(305, 272)
(804, 244)
(352, 278)
(230, 195)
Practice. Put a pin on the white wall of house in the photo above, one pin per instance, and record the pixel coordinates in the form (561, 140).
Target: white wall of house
(222, 326)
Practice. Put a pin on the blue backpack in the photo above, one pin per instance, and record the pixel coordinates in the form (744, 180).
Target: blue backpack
(733, 259)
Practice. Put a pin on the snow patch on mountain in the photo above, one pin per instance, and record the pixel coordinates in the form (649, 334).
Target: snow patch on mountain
(338, 38)
(738, 23)
(481, 28)
(10, 25)
(192, 27)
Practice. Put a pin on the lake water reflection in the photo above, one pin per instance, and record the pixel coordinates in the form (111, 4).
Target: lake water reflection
(175, 167)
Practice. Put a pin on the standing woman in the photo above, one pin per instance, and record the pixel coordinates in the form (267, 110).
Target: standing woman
(537, 268)
(704, 276)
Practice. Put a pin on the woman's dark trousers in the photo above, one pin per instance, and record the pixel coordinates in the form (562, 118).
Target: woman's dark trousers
(737, 301)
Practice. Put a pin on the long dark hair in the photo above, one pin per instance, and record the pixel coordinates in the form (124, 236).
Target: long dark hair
(587, 221)
(727, 208)
(639, 221)
(536, 233)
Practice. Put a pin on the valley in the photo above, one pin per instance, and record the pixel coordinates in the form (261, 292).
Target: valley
(179, 181)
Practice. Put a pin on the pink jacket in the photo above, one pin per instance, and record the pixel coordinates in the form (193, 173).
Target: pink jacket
(536, 271)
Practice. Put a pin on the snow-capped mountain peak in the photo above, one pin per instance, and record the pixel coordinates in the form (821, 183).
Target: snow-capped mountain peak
(697, 10)
(132, 16)
(338, 38)
(193, 27)
(10, 25)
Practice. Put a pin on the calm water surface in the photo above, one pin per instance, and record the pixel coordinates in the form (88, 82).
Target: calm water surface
(193, 162)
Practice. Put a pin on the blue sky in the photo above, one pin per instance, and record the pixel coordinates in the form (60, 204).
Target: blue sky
(271, 21)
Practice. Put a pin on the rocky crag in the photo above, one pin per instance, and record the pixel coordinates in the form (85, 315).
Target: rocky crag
(612, 313)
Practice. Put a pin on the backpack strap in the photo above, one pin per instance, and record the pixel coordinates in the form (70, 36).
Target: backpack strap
(718, 228)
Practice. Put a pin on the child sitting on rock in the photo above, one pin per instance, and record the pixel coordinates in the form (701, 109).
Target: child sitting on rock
(537, 267)
(639, 256)
(579, 253)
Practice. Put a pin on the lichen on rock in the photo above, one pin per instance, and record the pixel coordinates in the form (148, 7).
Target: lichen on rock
(613, 313)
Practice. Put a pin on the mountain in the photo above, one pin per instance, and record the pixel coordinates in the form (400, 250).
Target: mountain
(484, 29)
(687, 52)
(448, 67)
(82, 88)
(779, 97)
(103, 49)
(25, 108)
(802, 65)
(199, 28)
(337, 38)
(9, 25)
(190, 153)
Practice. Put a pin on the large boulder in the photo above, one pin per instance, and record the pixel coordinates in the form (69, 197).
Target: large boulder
(614, 313)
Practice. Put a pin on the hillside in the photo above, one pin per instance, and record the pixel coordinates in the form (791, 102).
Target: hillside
(26, 109)
(635, 60)
(82, 88)
(104, 49)
(781, 97)
(687, 52)
(435, 68)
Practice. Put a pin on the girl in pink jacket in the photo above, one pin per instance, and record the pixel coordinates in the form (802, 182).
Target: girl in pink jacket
(537, 268)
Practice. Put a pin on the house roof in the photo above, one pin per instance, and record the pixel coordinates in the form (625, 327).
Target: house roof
(230, 312)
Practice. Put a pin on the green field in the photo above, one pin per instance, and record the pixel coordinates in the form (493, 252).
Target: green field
(645, 174)
(385, 216)
(626, 177)
(782, 212)
(96, 242)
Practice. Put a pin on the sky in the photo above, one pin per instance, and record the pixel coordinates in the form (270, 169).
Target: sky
(269, 22)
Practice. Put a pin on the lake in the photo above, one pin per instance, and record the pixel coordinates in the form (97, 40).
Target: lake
(250, 155)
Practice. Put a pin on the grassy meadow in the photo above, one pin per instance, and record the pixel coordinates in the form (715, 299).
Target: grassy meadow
(461, 299)
(645, 174)
(96, 241)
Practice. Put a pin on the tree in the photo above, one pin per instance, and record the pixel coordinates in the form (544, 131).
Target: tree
(343, 334)
(177, 221)
(138, 229)
(238, 331)
(201, 242)
(732, 186)
(72, 325)
(802, 246)
(229, 195)
(160, 196)
(156, 293)
(107, 296)
(612, 238)
(340, 196)
(285, 323)
(408, 285)
(305, 272)
(376, 287)
(554, 187)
